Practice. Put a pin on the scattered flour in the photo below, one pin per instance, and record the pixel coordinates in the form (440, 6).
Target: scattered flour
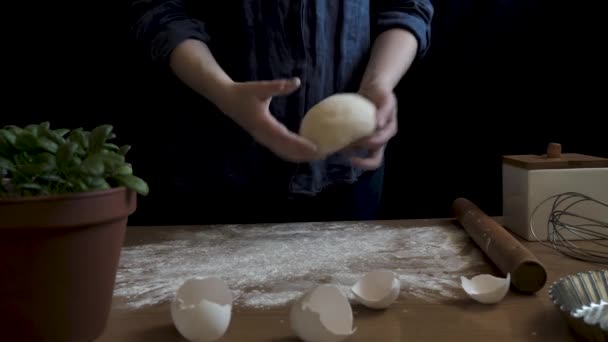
(269, 266)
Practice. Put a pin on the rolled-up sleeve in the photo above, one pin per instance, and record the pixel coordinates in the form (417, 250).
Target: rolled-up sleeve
(158, 26)
(412, 15)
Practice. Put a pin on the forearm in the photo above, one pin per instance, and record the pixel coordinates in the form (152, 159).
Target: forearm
(194, 64)
(393, 52)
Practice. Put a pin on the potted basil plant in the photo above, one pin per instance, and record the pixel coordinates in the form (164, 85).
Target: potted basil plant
(65, 198)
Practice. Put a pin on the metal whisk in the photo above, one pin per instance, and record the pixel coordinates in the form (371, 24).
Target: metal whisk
(589, 230)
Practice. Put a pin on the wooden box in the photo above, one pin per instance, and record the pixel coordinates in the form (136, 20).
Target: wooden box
(530, 180)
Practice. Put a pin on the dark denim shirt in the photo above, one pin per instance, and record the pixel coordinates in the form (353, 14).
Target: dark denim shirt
(324, 42)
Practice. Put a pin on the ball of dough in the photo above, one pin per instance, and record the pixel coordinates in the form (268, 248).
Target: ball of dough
(338, 121)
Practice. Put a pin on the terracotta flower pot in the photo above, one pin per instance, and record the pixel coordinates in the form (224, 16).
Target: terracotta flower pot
(58, 261)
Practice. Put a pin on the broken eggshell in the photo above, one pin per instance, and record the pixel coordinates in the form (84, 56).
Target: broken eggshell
(486, 288)
(377, 289)
(323, 314)
(202, 309)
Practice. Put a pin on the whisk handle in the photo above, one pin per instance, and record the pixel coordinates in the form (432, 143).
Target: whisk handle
(508, 254)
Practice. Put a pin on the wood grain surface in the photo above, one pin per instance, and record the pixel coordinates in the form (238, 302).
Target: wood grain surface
(519, 317)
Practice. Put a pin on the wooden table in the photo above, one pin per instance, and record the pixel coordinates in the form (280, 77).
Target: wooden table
(517, 318)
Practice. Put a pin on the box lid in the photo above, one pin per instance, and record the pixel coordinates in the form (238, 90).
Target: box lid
(555, 159)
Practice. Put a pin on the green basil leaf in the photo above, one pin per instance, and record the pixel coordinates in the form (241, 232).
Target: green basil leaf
(26, 141)
(6, 164)
(52, 178)
(9, 136)
(93, 165)
(125, 169)
(39, 164)
(124, 150)
(14, 129)
(61, 132)
(44, 158)
(78, 183)
(97, 183)
(113, 156)
(98, 137)
(112, 165)
(51, 135)
(47, 144)
(22, 159)
(65, 154)
(30, 186)
(134, 183)
(80, 138)
(111, 147)
(32, 129)
(6, 146)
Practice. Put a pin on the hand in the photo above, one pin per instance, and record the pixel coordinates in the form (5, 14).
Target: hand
(247, 103)
(386, 127)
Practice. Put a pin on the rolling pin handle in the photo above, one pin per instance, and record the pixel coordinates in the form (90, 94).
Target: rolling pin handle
(554, 150)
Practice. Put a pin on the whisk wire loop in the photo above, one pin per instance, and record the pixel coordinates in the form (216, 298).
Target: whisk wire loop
(590, 230)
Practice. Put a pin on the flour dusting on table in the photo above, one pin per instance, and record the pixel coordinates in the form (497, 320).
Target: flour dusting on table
(268, 266)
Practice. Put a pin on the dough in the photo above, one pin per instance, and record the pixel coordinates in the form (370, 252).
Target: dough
(338, 121)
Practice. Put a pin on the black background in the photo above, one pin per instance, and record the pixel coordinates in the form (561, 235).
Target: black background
(516, 64)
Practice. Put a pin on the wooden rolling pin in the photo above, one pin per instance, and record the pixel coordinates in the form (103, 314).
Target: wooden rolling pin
(528, 275)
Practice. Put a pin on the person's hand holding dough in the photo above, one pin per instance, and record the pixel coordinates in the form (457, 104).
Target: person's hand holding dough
(386, 127)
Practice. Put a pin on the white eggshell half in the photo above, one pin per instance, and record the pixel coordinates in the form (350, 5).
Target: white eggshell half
(322, 315)
(377, 289)
(202, 309)
(485, 288)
